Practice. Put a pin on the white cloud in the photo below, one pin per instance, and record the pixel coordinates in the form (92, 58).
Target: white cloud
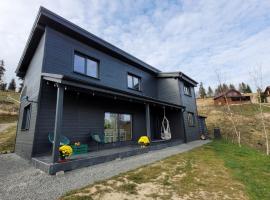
(195, 37)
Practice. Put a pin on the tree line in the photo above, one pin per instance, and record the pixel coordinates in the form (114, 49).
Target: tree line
(12, 85)
(203, 93)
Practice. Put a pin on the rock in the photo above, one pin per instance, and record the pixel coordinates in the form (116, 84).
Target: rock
(60, 173)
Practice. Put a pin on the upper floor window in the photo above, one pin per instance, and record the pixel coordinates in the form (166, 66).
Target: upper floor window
(187, 90)
(191, 119)
(85, 65)
(134, 82)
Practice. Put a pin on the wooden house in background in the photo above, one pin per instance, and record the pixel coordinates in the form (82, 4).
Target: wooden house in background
(232, 96)
(267, 94)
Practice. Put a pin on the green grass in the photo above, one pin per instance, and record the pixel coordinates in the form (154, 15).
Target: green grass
(247, 165)
(213, 171)
(7, 139)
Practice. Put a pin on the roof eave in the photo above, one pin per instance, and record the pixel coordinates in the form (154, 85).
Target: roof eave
(180, 75)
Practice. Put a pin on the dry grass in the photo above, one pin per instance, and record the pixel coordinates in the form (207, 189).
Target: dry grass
(198, 174)
(247, 119)
(8, 114)
(7, 139)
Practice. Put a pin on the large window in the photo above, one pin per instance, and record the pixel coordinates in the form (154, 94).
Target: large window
(191, 119)
(85, 65)
(187, 90)
(26, 117)
(117, 127)
(134, 82)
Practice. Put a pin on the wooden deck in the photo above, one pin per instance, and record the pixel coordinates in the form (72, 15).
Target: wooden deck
(96, 157)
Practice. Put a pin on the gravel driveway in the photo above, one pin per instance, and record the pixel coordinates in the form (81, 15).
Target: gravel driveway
(19, 180)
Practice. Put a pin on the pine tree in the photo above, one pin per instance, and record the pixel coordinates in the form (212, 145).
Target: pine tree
(2, 69)
(225, 87)
(2, 72)
(248, 89)
(12, 85)
(231, 87)
(3, 86)
(210, 92)
(242, 87)
(21, 86)
(219, 90)
(202, 92)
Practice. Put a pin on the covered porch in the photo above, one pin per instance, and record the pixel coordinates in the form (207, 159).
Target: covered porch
(77, 110)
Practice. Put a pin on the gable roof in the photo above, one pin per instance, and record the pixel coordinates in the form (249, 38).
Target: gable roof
(48, 18)
(223, 94)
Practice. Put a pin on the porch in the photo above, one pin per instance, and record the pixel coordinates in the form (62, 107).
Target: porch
(77, 110)
(46, 164)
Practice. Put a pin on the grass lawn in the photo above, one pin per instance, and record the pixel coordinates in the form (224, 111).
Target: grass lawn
(219, 170)
(7, 138)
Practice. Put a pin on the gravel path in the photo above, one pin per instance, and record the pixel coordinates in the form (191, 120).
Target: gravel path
(19, 180)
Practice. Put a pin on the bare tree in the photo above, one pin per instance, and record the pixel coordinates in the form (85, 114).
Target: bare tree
(229, 113)
(256, 75)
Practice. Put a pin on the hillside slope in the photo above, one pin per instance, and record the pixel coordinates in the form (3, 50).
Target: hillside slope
(246, 116)
(9, 106)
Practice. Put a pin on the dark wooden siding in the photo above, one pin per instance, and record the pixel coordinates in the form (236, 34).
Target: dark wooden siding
(189, 102)
(82, 114)
(175, 118)
(24, 138)
(168, 90)
(113, 72)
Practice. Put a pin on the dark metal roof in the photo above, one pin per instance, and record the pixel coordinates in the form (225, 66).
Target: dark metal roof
(228, 91)
(67, 80)
(178, 74)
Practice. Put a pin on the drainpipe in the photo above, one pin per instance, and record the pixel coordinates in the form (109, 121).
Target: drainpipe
(184, 125)
(58, 122)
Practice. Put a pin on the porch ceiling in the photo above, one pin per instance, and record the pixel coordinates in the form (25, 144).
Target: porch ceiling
(80, 84)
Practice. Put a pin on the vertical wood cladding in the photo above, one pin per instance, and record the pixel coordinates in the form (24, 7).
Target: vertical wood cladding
(24, 138)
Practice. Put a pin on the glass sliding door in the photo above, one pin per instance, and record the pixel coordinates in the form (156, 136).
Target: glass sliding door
(110, 128)
(117, 127)
(125, 127)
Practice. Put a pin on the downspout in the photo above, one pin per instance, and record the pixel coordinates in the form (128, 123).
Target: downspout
(183, 120)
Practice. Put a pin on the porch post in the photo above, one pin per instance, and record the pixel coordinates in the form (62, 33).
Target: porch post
(58, 122)
(147, 118)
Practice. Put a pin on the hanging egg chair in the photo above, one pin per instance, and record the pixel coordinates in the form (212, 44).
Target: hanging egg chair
(165, 128)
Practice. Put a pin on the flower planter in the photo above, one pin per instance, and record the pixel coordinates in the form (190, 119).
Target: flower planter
(81, 149)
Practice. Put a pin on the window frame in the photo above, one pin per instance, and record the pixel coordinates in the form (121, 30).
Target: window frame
(118, 129)
(25, 125)
(86, 57)
(132, 78)
(188, 88)
(192, 117)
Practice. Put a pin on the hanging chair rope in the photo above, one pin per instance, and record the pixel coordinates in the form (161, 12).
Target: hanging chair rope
(165, 127)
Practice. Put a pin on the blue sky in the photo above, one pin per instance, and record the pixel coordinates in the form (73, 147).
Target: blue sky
(192, 36)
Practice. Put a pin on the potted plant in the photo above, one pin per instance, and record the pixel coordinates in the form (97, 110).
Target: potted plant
(144, 141)
(65, 151)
